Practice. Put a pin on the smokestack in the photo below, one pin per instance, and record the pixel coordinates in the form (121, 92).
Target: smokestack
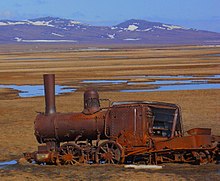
(49, 90)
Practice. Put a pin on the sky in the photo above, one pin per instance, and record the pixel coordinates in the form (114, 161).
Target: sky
(199, 14)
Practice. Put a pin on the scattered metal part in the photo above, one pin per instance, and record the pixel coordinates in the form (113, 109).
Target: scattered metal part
(144, 166)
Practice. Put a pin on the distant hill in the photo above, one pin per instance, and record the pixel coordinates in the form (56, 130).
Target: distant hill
(58, 30)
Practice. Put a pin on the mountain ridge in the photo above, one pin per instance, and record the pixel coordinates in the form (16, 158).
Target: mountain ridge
(55, 30)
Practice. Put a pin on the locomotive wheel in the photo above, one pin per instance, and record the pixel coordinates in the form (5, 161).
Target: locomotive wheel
(204, 157)
(199, 157)
(109, 152)
(70, 154)
(190, 157)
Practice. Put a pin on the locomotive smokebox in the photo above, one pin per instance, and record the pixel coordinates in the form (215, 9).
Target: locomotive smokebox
(49, 90)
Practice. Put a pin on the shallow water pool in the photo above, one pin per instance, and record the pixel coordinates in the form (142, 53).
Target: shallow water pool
(37, 90)
(7, 163)
(176, 88)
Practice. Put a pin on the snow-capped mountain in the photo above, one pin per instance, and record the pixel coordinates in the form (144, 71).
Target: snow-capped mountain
(47, 21)
(142, 25)
(53, 30)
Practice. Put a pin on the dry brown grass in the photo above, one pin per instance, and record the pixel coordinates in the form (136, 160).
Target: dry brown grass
(16, 67)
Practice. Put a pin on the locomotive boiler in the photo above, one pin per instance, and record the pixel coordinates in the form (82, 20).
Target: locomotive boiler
(122, 132)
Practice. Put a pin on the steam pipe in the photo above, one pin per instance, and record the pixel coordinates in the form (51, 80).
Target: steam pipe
(49, 90)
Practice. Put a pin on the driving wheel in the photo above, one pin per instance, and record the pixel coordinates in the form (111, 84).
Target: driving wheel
(70, 154)
(109, 152)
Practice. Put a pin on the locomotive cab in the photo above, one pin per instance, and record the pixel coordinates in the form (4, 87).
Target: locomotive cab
(137, 122)
(166, 120)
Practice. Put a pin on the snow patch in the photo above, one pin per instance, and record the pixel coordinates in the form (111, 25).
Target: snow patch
(132, 28)
(111, 36)
(28, 22)
(159, 27)
(56, 34)
(131, 39)
(136, 23)
(40, 23)
(49, 41)
(44, 41)
(92, 49)
(73, 23)
(113, 28)
(12, 23)
(171, 27)
(18, 39)
(3, 24)
(148, 29)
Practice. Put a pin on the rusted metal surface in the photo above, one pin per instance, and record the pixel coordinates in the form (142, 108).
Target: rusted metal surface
(123, 132)
(49, 90)
(91, 101)
(199, 131)
(67, 127)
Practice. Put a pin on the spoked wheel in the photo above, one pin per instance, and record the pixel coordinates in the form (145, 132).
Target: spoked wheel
(198, 157)
(189, 157)
(109, 152)
(70, 154)
(203, 157)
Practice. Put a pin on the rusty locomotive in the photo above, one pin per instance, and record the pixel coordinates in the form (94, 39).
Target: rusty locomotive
(122, 132)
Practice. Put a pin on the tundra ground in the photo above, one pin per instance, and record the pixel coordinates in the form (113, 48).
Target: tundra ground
(22, 66)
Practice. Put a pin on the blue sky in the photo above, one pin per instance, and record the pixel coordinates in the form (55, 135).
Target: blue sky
(200, 14)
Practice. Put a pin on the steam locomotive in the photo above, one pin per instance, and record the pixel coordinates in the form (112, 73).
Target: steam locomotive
(122, 132)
